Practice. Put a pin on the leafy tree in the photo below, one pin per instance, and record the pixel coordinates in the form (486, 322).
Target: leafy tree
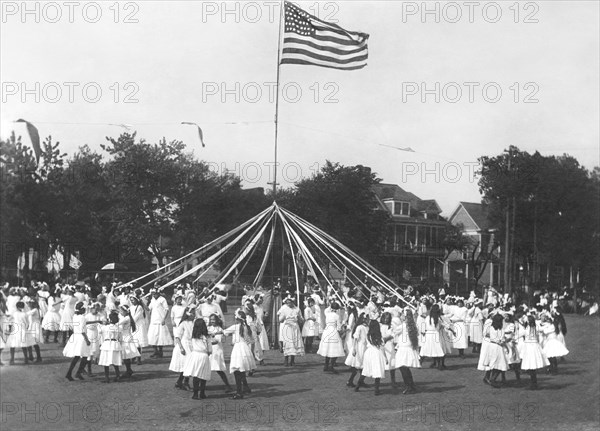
(339, 199)
(551, 204)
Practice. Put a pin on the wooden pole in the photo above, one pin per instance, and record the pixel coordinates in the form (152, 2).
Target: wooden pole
(281, 18)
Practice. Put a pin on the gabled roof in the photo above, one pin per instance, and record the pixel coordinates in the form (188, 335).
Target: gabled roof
(394, 192)
(477, 212)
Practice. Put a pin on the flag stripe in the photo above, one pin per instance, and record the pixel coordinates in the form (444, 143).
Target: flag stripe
(328, 64)
(299, 52)
(297, 43)
(326, 41)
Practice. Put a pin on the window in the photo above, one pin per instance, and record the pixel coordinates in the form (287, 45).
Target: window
(401, 208)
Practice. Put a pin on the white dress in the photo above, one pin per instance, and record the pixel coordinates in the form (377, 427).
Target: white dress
(158, 334)
(176, 315)
(183, 331)
(140, 335)
(553, 348)
(51, 320)
(481, 366)
(349, 328)
(217, 359)
(17, 338)
(76, 346)
(532, 355)
(360, 345)
(128, 343)
(311, 327)
(331, 345)
(68, 311)
(476, 327)
(93, 334)
(446, 336)
(388, 346)
(319, 312)
(242, 358)
(459, 325)
(111, 349)
(262, 337)
(374, 361)
(496, 355)
(510, 337)
(406, 354)
(198, 363)
(34, 332)
(432, 347)
(290, 331)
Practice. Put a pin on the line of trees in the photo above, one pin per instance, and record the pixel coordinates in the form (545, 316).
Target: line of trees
(547, 209)
(135, 201)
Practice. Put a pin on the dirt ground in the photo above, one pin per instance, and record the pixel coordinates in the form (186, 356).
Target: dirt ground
(38, 397)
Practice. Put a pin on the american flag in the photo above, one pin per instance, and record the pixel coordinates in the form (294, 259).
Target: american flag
(308, 40)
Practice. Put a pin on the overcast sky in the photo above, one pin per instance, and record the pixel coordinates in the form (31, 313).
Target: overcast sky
(192, 61)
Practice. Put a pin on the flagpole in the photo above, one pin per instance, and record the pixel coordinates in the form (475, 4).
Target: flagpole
(281, 15)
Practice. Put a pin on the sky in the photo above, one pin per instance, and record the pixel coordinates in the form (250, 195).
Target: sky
(451, 81)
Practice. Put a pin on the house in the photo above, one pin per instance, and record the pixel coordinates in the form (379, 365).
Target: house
(482, 258)
(413, 245)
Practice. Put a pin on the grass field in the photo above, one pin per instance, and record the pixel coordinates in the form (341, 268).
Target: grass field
(38, 397)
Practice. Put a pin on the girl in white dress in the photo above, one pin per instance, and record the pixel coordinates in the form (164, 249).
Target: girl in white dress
(350, 321)
(552, 347)
(198, 363)
(459, 319)
(481, 365)
(78, 345)
(510, 341)
(242, 360)
(111, 349)
(407, 350)
(183, 346)
(310, 330)
(291, 336)
(130, 350)
(422, 314)
(177, 311)
(476, 327)
(158, 332)
(431, 331)
(532, 355)
(495, 359)
(51, 320)
(260, 323)
(34, 332)
(66, 318)
(92, 329)
(562, 325)
(374, 359)
(140, 335)
(217, 359)
(251, 320)
(17, 337)
(357, 347)
(385, 324)
(331, 346)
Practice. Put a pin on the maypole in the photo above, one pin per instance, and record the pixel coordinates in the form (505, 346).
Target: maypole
(281, 16)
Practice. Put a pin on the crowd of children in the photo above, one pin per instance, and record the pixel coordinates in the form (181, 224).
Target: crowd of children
(372, 337)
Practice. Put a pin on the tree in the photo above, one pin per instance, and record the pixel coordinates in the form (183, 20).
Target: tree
(28, 192)
(340, 200)
(546, 208)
